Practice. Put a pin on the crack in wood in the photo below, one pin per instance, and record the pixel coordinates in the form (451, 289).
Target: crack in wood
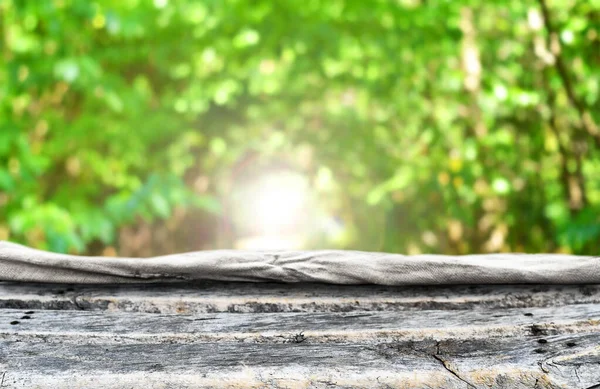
(442, 361)
(451, 371)
(577, 366)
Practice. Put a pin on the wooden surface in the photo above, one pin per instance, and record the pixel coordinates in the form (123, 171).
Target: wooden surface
(239, 335)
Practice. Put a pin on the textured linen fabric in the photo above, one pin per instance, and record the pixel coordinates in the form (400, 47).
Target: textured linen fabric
(23, 264)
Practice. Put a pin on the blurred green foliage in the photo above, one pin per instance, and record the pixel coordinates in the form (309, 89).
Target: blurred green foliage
(426, 126)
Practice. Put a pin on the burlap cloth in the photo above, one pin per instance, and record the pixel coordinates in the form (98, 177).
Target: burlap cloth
(20, 263)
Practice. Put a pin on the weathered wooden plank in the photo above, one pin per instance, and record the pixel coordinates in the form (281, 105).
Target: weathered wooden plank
(198, 336)
(266, 297)
(127, 327)
(566, 361)
(547, 347)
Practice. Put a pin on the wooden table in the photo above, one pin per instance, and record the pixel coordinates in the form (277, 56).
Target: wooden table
(217, 335)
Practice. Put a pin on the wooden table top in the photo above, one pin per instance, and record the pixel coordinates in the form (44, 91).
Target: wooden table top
(242, 335)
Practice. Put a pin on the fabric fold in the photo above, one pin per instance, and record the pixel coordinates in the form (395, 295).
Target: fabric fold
(22, 264)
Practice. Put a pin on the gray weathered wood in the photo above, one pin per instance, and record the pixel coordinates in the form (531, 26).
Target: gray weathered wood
(327, 327)
(269, 297)
(246, 335)
(507, 363)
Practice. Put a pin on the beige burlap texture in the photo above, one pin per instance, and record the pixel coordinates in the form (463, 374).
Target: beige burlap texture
(23, 264)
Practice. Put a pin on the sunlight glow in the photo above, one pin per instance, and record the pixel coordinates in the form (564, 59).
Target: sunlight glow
(272, 212)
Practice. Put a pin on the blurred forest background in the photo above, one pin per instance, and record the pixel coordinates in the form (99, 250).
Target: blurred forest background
(140, 127)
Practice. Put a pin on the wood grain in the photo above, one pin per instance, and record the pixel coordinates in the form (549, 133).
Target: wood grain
(244, 297)
(236, 335)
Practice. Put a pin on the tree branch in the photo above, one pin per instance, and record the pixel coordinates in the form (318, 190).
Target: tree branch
(586, 119)
(576, 202)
